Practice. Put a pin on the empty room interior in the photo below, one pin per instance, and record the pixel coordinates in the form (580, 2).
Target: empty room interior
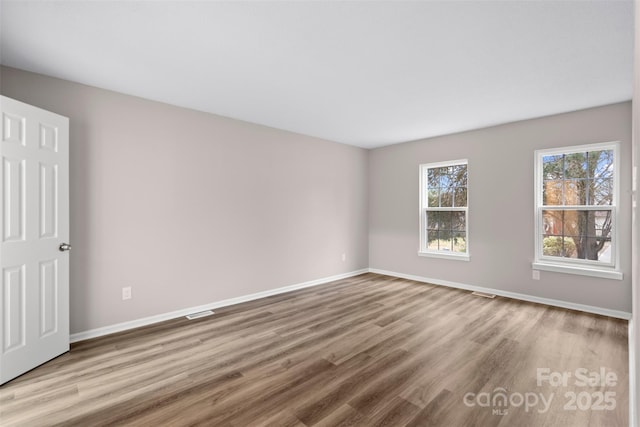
(310, 213)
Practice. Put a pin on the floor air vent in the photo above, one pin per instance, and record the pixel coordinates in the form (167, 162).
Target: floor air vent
(200, 314)
(483, 295)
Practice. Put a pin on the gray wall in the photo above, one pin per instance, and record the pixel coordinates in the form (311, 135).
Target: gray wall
(190, 208)
(501, 206)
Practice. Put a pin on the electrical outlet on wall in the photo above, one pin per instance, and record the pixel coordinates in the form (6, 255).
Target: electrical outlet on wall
(535, 274)
(126, 293)
(344, 257)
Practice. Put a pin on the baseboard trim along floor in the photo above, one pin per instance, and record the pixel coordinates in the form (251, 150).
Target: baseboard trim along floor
(119, 327)
(523, 297)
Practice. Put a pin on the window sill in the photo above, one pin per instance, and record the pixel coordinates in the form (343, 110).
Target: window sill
(442, 255)
(583, 271)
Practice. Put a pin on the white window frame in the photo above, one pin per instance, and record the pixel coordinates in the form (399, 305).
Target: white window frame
(424, 208)
(600, 269)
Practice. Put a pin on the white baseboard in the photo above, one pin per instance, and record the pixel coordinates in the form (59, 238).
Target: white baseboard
(98, 332)
(524, 297)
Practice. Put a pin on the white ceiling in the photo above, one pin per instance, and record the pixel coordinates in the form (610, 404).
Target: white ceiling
(360, 72)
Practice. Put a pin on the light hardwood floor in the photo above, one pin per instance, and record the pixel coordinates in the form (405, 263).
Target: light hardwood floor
(366, 351)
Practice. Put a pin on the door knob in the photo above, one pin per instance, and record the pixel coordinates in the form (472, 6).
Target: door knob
(64, 247)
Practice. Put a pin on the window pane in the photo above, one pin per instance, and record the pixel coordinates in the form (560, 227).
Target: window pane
(601, 248)
(587, 179)
(446, 197)
(558, 246)
(432, 198)
(552, 193)
(575, 191)
(552, 222)
(433, 180)
(459, 242)
(602, 192)
(552, 167)
(460, 175)
(578, 234)
(444, 222)
(432, 240)
(445, 179)
(575, 165)
(445, 243)
(575, 223)
(458, 221)
(603, 226)
(432, 220)
(602, 163)
(460, 197)
(446, 186)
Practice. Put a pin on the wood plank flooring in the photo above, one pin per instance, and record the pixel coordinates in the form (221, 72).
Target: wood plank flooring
(371, 350)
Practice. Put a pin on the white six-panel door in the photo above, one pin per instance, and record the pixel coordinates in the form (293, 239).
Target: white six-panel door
(34, 221)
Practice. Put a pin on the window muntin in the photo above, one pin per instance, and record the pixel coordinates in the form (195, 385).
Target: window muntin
(444, 208)
(576, 205)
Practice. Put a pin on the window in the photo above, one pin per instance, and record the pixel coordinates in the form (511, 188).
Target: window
(576, 210)
(443, 210)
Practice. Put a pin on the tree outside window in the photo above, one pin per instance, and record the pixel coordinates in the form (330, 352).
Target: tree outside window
(577, 212)
(443, 212)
